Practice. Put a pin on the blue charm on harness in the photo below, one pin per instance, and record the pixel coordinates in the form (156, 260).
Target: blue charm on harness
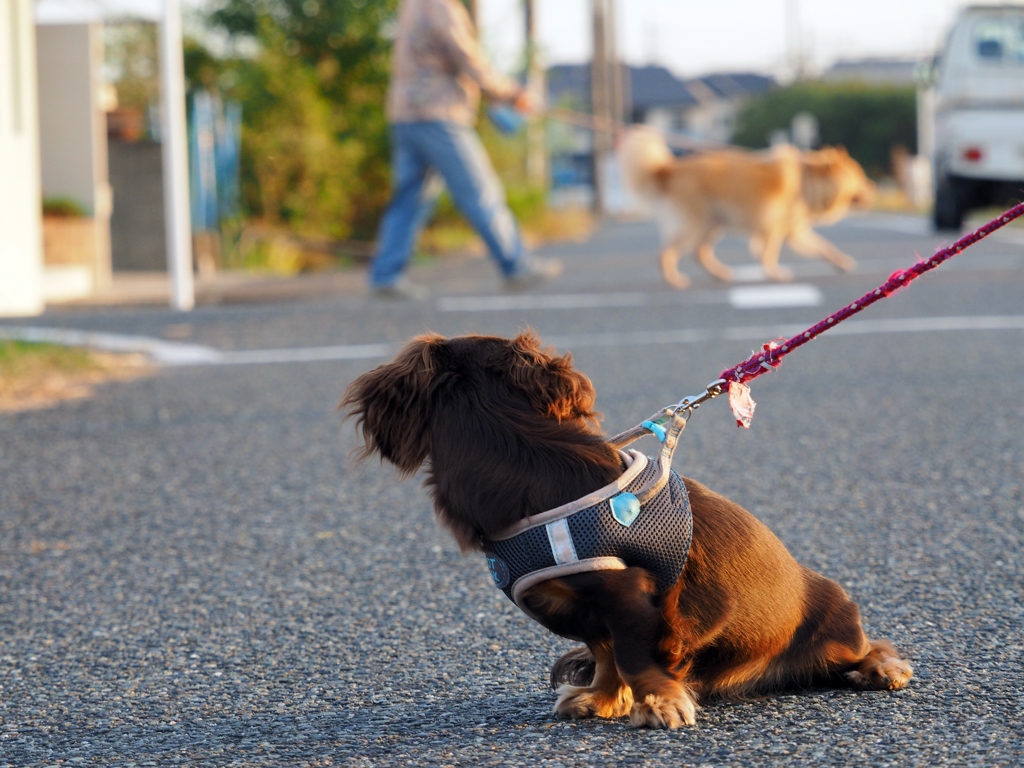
(625, 508)
(642, 520)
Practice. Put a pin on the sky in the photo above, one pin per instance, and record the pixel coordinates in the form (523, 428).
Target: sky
(694, 37)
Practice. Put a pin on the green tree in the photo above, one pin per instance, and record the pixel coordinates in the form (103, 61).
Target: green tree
(313, 108)
(868, 120)
(303, 168)
(131, 66)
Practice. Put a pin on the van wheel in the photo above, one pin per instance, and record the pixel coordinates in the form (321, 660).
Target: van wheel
(949, 204)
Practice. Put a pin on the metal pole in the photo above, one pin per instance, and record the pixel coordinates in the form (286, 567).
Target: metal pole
(614, 65)
(599, 97)
(173, 135)
(625, 84)
(793, 38)
(536, 144)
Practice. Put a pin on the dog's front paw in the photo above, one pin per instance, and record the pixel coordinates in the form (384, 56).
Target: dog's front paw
(883, 669)
(726, 275)
(779, 274)
(846, 263)
(678, 280)
(659, 711)
(578, 703)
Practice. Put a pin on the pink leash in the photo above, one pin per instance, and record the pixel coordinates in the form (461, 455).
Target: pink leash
(771, 354)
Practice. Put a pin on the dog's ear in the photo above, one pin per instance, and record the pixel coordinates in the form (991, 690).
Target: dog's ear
(553, 386)
(391, 404)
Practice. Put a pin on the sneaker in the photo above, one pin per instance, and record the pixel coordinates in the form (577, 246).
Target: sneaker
(403, 288)
(534, 271)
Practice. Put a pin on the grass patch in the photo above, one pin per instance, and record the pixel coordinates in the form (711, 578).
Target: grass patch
(39, 375)
(18, 358)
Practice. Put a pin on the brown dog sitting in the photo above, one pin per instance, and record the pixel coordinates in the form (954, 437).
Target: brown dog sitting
(508, 432)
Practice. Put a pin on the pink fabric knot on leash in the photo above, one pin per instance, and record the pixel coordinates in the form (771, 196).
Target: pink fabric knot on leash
(741, 403)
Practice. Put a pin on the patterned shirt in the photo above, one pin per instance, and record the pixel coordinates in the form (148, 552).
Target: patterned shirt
(437, 67)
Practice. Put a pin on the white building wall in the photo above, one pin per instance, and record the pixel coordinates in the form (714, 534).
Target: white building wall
(72, 127)
(66, 131)
(21, 239)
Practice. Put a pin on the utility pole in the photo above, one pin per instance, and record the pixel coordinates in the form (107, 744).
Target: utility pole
(616, 86)
(173, 135)
(536, 144)
(600, 98)
(608, 93)
(794, 43)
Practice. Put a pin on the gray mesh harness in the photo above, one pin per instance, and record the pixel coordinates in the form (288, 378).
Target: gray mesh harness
(642, 520)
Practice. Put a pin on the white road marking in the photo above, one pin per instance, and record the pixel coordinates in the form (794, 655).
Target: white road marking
(557, 301)
(176, 354)
(773, 296)
(165, 352)
(920, 225)
(749, 273)
(541, 301)
(308, 354)
(742, 297)
(924, 324)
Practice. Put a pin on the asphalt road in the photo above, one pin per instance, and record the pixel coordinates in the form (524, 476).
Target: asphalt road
(192, 572)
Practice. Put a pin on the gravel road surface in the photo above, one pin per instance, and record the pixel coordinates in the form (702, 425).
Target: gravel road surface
(193, 571)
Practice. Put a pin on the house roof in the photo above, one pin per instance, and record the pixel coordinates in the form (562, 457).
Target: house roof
(650, 86)
(736, 85)
(872, 70)
(653, 86)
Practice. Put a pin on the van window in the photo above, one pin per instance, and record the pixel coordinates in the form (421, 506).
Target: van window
(1000, 40)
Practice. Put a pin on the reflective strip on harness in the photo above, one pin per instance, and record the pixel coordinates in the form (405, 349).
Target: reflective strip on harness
(562, 547)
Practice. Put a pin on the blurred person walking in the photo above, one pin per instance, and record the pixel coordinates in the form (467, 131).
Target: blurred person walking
(437, 74)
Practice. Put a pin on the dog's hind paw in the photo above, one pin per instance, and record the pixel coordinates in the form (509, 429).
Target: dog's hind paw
(577, 667)
(578, 703)
(657, 711)
(883, 669)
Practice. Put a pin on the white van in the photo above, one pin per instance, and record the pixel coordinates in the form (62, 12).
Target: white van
(979, 113)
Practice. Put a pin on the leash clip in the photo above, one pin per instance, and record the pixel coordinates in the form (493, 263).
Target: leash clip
(688, 405)
(659, 424)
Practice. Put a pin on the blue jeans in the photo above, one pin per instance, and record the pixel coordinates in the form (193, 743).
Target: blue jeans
(455, 152)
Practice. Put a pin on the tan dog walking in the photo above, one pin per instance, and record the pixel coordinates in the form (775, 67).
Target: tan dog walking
(774, 197)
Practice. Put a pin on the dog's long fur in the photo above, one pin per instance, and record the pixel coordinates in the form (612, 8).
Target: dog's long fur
(773, 197)
(507, 430)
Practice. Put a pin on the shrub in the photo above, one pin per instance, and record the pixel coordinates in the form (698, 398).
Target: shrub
(868, 120)
(313, 109)
(298, 169)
